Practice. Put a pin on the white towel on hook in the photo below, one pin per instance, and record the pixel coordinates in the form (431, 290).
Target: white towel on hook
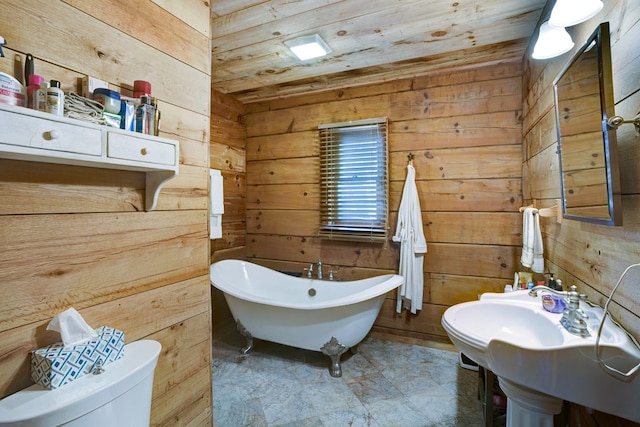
(532, 249)
(217, 204)
(412, 246)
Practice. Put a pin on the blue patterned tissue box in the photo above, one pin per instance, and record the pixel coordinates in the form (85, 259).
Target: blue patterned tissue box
(56, 365)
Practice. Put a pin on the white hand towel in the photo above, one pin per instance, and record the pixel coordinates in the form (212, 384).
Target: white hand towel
(217, 193)
(532, 249)
(538, 257)
(217, 204)
(527, 237)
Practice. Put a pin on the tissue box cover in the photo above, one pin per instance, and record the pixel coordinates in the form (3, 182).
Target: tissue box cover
(56, 365)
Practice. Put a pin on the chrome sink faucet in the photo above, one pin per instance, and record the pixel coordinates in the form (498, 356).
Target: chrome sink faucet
(319, 269)
(574, 319)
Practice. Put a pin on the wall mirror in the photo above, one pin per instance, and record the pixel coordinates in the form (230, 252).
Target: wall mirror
(588, 155)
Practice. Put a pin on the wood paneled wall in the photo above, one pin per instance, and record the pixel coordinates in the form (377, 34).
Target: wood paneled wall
(228, 154)
(74, 236)
(588, 255)
(464, 128)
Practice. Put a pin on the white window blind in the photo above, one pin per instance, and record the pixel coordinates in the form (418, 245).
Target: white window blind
(354, 182)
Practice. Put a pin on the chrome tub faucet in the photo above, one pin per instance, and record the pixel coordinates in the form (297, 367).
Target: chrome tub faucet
(319, 274)
(309, 271)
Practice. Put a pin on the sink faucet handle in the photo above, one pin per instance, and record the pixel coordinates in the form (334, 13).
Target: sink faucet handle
(574, 295)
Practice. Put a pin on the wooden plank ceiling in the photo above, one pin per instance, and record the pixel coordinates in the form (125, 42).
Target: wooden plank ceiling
(372, 41)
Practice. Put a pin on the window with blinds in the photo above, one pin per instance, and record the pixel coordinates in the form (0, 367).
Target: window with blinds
(354, 180)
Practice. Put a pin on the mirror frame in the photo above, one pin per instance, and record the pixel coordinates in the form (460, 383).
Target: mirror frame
(605, 77)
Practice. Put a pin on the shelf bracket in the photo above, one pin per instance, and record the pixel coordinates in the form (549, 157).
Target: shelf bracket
(155, 180)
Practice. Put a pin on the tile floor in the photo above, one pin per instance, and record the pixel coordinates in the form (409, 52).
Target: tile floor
(385, 384)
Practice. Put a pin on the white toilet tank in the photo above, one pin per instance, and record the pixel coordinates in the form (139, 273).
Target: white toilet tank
(120, 396)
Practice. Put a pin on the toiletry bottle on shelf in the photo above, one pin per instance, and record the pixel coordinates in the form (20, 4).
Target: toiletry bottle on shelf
(55, 99)
(145, 116)
(552, 282)
(558, 285)
(34, 84)
(156, 116)
(40, 100)
(141, 88)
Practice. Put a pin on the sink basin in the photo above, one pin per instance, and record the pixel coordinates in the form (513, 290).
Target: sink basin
(472, 326)
(526, 347)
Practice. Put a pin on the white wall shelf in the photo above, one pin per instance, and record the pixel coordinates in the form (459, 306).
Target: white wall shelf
(36, 136)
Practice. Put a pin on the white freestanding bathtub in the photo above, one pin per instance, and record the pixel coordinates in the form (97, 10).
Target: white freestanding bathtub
(311, 314)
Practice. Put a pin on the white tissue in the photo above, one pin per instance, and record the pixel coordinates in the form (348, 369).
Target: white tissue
(72, 327)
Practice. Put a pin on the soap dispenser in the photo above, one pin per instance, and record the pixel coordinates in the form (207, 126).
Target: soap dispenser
(552, 282)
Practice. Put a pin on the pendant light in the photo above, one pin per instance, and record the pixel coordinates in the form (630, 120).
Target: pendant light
(567, 13)
(552, 41)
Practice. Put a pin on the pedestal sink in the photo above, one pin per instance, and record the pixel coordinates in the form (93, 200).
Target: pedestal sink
(539, 363)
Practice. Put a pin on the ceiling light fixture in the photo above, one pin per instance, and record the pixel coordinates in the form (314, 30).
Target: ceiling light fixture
(567, 13)
(552, 42)
(308, 47)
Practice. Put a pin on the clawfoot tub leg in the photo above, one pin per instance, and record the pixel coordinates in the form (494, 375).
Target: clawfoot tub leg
(243, 331)
(334, 350)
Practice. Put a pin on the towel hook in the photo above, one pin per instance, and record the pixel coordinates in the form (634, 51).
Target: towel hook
(410, 157)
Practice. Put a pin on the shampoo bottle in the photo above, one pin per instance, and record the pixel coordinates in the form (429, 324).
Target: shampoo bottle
(55, 99)
(40, 99)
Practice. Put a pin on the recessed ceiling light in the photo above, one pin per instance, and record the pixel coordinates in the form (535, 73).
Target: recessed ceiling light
(308, 47)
